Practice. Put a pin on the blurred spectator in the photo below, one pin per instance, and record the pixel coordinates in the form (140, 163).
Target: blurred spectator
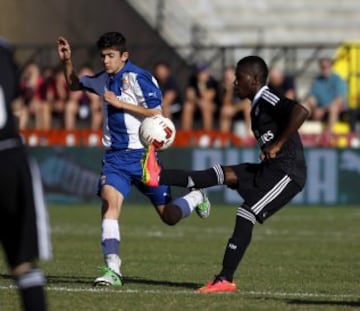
(201, 93)
(354, 117)
(231, 105)
(281, 84)
(327, 95)
(31, 98)
(171, 104)
(57, 95)
(84, 105)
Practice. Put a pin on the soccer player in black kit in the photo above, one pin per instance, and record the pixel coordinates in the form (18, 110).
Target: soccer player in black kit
(24, 231)
(266, 186)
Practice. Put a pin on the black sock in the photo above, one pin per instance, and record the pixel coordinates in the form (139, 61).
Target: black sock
(236, 247)
(31, 289)
(174, 178)
(191, 179)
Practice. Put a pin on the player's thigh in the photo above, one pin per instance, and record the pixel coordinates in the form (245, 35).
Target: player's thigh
(279, 200)
(23, 225)
(117, 171)
(264, 188)
(158, 196)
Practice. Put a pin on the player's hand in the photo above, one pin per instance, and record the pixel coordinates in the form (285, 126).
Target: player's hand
(270, 152)
(63, 49)
(111, 98)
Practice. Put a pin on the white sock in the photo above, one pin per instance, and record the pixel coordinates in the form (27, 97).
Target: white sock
(110, 233)
(113, 261)
(193, 198)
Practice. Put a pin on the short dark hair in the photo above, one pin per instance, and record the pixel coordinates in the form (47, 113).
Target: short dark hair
(256, 65)
(114, 40)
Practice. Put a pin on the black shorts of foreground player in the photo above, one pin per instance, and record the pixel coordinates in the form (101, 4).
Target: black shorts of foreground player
(265, 187)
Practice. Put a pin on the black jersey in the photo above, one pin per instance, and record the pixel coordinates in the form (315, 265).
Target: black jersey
(8, 91)
(270, 115)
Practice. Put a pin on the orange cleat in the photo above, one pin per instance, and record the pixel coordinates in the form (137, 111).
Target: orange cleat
(151, 168)
(218, 285)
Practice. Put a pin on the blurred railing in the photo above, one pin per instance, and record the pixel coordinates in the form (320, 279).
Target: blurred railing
(184, 139)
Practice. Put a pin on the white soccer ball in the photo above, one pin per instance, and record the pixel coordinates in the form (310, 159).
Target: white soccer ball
(157, 130)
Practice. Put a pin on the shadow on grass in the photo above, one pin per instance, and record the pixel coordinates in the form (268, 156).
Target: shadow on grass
(57, 279)
(323, 302)
(53, 279)
(309, 302)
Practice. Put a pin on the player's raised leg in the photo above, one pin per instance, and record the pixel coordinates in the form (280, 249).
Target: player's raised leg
(195, 200)
(153, 175)
(151, 167)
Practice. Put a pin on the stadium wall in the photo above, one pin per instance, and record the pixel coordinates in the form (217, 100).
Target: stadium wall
(34, 26)
(70, 174)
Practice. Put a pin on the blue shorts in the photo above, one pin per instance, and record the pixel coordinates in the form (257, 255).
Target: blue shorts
(122, 168)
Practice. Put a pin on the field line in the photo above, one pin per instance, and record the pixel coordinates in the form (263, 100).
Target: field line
(189, 292)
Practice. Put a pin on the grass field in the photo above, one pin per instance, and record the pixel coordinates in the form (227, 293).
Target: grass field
(303, 258)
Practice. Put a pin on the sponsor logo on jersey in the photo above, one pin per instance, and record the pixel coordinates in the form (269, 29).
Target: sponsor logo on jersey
(266, 137)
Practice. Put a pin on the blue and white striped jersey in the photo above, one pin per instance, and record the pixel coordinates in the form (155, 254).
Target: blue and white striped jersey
(132, 85)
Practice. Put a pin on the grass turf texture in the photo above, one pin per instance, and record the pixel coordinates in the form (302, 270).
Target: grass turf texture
(303, 258)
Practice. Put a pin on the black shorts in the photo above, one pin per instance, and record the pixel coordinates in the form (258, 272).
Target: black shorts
(264, 187)
(24, 230)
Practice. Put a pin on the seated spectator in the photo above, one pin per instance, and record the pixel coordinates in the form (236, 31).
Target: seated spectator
(231, 105)
(281, 84)
(57, 95)
(84, 106)
(327, 96)
(171, 104)
(201, 93)
(31, 97)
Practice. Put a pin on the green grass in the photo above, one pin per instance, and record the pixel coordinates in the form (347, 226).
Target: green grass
(303, 258)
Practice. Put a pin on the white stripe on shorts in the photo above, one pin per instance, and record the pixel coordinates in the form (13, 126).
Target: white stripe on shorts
(242, 212)
(42, 220)
(219, 174)
(271, 195)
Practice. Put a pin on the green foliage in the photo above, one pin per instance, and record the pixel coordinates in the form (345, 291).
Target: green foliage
(303, 258)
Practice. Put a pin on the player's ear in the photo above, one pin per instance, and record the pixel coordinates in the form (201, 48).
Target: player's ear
(124, 56)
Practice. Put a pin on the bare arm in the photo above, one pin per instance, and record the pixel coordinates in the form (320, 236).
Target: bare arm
(111, 98)
(64, 53)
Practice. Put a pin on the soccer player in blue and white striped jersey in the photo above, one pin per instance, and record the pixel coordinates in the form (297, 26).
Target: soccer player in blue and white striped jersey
(130, 94)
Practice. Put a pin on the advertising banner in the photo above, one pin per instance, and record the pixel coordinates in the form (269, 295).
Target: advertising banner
(71, 174)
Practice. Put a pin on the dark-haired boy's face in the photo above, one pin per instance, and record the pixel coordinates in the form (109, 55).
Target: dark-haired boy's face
(245, 84)
(113, 60)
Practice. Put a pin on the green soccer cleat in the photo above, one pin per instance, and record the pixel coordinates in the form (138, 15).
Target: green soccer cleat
(203, 209)
(109, 278)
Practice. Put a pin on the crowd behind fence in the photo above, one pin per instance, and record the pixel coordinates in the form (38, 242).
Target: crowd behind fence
(48, 113)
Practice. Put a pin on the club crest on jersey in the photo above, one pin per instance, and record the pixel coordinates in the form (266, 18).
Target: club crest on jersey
(257, 110)
(125, 85)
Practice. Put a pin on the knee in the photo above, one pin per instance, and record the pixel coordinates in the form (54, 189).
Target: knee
(231, 178)
(171, 215)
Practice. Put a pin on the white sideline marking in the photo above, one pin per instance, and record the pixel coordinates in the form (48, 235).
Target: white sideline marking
(187, 292)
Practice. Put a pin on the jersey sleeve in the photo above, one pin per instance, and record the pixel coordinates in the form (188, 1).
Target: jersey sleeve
(148, 92)
(94, 84)
(285, 106)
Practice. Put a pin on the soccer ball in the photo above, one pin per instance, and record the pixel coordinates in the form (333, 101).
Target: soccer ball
(157, 130)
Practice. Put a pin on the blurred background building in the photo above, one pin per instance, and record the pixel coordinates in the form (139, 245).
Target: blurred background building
(289, 35)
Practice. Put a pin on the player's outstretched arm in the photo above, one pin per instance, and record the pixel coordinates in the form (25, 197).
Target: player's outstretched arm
(64, 54)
